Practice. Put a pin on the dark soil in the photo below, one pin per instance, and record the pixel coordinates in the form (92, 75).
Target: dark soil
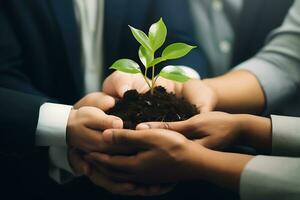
(135, 108)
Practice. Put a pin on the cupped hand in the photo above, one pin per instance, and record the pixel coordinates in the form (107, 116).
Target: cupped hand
(215, 130)
(164, 156)
(127, 188)
(85, 126)
(81, 167)
(119, 82)
(200, 94)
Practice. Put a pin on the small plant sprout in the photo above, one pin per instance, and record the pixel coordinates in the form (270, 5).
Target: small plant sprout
(149, 45)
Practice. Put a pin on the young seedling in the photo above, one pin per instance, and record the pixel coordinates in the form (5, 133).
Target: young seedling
(149, 45)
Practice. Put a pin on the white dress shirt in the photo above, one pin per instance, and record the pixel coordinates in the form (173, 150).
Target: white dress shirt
(53, 118)
(90, 18)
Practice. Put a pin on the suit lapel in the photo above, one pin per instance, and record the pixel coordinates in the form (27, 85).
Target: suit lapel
(65, 16)
(115, 11)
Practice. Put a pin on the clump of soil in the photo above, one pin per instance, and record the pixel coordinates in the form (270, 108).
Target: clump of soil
(135, 108)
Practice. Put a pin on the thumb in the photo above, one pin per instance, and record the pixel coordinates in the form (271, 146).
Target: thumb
(122, 89)
(189, 128)
(126, 137)
(105, 102)
(181, 126)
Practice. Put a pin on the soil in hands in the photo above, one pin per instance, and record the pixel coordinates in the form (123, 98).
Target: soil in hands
(135, 108)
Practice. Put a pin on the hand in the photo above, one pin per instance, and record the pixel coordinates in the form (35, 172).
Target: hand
(79, 166)
(195, 91)
(119, 82)
(85, 126)
(96, 99)
(163, 156)
(126, 188)
(215, 130)
(82, 167)
(199, 94)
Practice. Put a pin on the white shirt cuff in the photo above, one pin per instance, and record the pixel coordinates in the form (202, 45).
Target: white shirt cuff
(60, 169)
(270, 177)
(52, 125)
(285, 136)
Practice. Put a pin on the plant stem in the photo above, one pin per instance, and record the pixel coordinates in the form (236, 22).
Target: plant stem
(156, 79)
(152, 80)
(145, 77)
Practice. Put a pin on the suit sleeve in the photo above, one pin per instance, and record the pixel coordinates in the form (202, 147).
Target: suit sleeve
(270, 177)
(12, 72)
(285, 136)
(18, 117)
(277, 65)
(23, 107)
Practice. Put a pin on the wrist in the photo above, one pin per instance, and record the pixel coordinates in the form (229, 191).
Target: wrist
(255, 132)
(196, 162)
(221, 168)
(210, 83)
(242, 123)
(70, 125)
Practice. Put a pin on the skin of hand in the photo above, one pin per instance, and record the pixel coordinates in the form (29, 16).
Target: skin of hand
(215, 130)
(119, 82)
(100, 179)
(218, 130)
(238, 91)
(200, 94)
(235, 92)
(195, 91)
(167, 156)
(88, 138)
(160, 151)
(86, 122)
(96, 99)
(126, 188)
(85, 126)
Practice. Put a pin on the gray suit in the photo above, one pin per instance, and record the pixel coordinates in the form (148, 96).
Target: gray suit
(231, 31)
(277, 67)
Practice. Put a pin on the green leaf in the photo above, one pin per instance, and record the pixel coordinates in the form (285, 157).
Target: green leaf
(127, 66)
(174, 73)
(141, 37)
(157, 34)
(146, 56)
(176, 50)
(157, 61)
